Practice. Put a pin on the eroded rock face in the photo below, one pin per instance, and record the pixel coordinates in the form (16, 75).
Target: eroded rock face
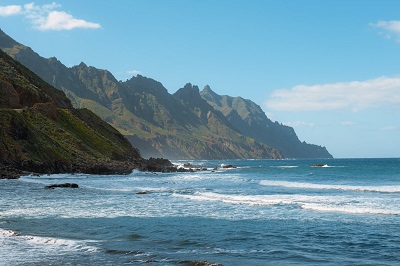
(8, 96)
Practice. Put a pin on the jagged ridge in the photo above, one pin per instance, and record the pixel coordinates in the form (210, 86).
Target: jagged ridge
(251, 121)
(156, 122)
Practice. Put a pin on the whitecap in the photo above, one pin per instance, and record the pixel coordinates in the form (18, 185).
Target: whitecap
(345, 204)
(49, 242)
(260, 200)
(285, 166)
(288, 184)
(351, 209)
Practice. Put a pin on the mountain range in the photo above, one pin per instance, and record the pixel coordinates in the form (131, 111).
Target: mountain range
(189, 124)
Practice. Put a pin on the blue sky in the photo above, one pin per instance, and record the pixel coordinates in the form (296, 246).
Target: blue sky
(330, 69)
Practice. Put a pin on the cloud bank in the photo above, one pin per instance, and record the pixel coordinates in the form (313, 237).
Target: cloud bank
(47, 17)
(353, 95)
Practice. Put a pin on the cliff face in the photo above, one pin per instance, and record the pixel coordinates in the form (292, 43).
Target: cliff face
(40, 130)
(250, 120)
(218, 133)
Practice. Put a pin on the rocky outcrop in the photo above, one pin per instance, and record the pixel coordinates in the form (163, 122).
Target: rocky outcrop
(157, 165)
(15, 169)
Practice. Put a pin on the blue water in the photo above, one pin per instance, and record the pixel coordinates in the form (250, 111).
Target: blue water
(265, 212)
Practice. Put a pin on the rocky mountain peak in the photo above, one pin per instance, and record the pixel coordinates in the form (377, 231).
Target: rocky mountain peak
(82, 65)
(208, 94)
(189, 94)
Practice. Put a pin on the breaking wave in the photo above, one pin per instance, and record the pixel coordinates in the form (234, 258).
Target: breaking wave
(287, 184)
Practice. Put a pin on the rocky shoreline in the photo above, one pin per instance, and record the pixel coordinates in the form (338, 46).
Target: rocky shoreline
(14, 169)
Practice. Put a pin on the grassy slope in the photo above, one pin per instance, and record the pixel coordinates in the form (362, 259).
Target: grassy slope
(40, 124)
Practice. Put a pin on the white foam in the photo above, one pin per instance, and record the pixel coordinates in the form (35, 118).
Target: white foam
(111, 189)
(234, 199)
(349, 209)
(33, 212)
(381, 189)
(262, 200)
(344, 204)
(47, 241)
(7, 233)
(285, 166)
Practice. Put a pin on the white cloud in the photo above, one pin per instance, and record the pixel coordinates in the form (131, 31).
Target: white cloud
(391, 28)
(134, 72)
(355, 95)
(60, 20)
(11, 10)
(46, 17)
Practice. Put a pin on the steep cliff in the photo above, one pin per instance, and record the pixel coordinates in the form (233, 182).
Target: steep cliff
(250, 120)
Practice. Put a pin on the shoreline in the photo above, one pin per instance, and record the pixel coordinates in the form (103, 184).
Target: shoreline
(14, 170)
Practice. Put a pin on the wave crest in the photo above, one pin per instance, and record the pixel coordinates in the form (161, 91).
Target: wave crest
(287, 184)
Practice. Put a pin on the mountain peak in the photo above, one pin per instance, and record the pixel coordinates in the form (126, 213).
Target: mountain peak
(190, 88)
(189, 93)
(140, 82)
(208, 94)
(6, 41)
(82, 65)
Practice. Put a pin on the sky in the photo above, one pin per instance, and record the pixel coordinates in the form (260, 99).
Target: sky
(329, 69)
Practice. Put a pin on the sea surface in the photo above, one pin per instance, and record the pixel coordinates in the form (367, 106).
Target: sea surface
(264, 212)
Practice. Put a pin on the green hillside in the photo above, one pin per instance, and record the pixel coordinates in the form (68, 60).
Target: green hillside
(40, 130)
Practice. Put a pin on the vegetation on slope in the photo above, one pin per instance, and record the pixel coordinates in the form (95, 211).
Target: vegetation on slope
(41, 131)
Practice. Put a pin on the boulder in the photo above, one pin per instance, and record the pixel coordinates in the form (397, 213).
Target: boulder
(228, 166)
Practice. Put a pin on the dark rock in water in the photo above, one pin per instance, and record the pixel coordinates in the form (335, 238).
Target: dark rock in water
(66, 185)
(199, 263)
(227, 166)
(318, 165)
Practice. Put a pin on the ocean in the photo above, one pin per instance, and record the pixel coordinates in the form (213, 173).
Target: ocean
(264, 212)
